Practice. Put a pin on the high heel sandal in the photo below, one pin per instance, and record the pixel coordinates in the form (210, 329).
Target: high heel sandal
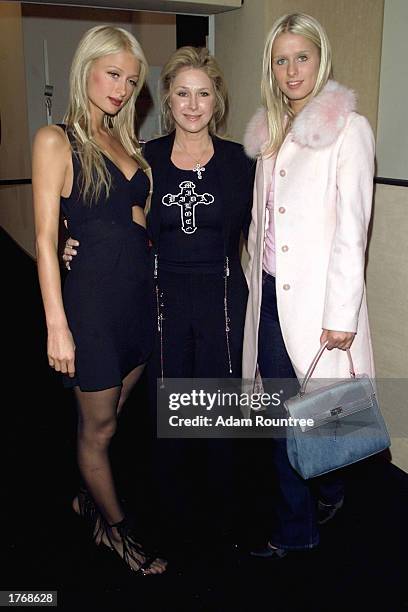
(88, 511)
(131, 549)
(86, 505)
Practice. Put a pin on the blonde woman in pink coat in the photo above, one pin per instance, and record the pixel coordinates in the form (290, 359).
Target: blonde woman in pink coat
(307, 241)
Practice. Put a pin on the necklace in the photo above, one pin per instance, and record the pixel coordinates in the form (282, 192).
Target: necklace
(198, 168)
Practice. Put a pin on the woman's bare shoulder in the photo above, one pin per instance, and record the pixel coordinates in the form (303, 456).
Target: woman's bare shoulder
(52, 139)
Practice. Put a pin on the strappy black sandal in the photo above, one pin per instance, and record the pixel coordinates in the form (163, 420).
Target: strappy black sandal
(89, 512)
(87, 508)
(132, 550)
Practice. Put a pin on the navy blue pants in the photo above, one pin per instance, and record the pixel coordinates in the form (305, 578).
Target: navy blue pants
(294, 502)
(194, 342)
(195, 477)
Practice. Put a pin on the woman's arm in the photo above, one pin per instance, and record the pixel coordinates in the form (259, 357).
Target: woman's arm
(345, 276)
(70, 251)
(138, 216)
(51, 155)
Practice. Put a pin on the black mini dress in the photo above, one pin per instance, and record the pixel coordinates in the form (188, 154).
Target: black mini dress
(108, 294)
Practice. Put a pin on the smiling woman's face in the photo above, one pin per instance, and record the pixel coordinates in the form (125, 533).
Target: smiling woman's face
(192, 100)
(295, 65)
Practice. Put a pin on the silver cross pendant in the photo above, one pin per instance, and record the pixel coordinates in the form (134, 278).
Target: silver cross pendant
(199, 169)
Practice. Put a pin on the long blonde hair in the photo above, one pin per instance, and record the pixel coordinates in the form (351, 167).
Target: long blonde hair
(98, 42)
(198, 58)
(280, 115)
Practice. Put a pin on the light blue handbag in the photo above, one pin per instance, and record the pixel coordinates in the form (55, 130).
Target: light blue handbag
(336, 425)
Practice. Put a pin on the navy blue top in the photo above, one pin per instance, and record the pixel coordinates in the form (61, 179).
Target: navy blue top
(191, 220)
(232, 175)
(108, 294)
(125, 194)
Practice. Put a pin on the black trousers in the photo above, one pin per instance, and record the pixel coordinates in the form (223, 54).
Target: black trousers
(194, 338)
(195, 478)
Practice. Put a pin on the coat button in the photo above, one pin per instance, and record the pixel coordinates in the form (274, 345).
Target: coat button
(285, 248)
(286, 287)
(282, 172)
(282, 209)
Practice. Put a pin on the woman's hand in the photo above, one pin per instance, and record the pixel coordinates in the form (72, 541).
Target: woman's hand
(337, 339)
(61, 350)
(69, 251)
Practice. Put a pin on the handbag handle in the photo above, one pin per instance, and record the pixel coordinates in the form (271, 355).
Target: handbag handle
(314, 363)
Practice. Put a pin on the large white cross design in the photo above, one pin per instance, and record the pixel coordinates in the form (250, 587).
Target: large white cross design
(187, 199)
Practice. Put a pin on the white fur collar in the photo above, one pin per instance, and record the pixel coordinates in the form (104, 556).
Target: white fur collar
(317, 125)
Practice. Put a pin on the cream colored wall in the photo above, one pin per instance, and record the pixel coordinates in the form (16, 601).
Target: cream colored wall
(392, 136)
(16, 215)
(353, 28)
(387, 280)
(387, 289)
(14, 156)
(355, 33)
(239, 41)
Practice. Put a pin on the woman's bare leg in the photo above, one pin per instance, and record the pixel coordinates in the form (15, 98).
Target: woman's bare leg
(97, 417)
(96, 426)
(128, 383)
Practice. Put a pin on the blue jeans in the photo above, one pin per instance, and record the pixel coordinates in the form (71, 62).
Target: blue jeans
(294, 504)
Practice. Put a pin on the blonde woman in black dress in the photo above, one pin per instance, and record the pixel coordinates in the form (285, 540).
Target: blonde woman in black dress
(100, 328)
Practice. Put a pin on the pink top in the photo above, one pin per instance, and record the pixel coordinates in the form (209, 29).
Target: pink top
(269, 257)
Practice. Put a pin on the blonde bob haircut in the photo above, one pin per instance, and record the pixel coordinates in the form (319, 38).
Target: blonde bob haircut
(198, 58)
(280, 115)
(96, 43)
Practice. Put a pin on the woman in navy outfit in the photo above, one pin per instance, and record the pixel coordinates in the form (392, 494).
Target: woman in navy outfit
(100, 328)
(201, 202)
(202, 193)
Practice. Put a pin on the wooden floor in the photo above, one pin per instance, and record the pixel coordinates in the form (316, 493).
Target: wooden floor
(361, 563)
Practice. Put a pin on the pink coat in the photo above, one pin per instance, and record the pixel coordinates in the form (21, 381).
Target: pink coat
(322, 208)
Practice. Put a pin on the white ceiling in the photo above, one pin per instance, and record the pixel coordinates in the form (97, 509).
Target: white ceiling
(200, 7)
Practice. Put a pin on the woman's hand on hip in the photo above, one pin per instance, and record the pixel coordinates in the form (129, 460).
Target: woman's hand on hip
(337, 339)
(69, 251)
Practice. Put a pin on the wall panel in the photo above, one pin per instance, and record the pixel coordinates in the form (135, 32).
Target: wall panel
(387, 288)
(355, 32)
(14, 148)
(392, 137)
